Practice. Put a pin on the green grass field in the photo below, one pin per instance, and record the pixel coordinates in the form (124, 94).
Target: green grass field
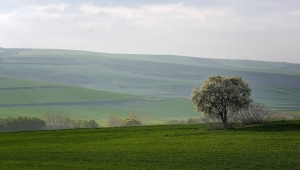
(271, 146)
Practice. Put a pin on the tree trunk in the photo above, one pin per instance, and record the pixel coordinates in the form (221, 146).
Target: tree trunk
(224, 118)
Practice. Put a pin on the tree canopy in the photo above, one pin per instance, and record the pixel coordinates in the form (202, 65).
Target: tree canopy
(218, 95)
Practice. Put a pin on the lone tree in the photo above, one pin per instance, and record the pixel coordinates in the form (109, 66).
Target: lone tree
(218, 95)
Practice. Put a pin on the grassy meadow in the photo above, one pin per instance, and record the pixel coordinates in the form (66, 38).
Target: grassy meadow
(271, 146)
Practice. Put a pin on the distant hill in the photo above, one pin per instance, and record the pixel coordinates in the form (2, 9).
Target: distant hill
(274, 83)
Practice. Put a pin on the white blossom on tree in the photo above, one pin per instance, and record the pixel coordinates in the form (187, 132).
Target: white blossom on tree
(218, 95)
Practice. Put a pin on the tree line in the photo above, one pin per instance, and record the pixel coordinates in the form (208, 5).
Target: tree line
(51, 121)
(21, 124)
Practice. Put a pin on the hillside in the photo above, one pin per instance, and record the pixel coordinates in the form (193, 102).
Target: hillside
(269, 146)
(31, 98)
(276, 84)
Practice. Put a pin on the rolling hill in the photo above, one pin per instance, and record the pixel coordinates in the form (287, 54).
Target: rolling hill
(155, 85)
(31, 98)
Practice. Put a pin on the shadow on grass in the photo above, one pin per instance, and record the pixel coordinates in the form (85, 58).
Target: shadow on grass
(273, 126)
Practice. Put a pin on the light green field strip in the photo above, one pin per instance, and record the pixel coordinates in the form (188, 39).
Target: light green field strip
(10, 82)
(55, 94)
(293, 112)
(278, 98)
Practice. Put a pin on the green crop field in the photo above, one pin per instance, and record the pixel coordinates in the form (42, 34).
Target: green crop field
(271, 146)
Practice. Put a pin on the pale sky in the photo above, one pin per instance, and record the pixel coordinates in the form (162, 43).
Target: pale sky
(236, 29)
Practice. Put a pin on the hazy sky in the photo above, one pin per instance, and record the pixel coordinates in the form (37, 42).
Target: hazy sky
(237, 29)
